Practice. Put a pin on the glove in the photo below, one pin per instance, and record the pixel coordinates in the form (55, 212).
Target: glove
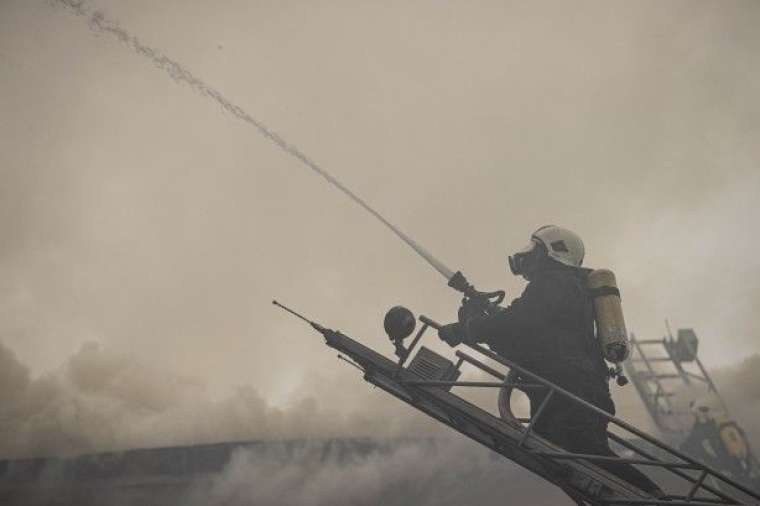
(453, 334)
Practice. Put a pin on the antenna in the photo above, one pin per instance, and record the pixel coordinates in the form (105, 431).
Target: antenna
(319, 328)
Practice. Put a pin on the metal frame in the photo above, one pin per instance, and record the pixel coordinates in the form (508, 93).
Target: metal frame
(652, 385)
(574, 473)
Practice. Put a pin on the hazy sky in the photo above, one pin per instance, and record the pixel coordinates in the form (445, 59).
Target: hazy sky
(136, 213)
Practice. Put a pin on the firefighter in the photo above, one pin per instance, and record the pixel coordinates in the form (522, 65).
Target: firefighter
(719, 442)
(549, 330)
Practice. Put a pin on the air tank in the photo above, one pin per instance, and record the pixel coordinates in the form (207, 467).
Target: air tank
(608, 311)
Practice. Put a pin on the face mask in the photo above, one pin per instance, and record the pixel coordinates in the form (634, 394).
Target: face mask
(522, 262)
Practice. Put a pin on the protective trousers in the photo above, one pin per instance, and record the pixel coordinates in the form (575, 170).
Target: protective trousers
(582, 431)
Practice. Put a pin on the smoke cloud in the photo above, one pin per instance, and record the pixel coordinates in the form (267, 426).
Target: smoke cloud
(136, 215)
(103, 401)
(418, 472)
(100, 400)
(739, 386)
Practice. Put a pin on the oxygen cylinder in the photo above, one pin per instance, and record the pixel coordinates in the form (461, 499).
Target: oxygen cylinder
(610, 324)
(733, 440)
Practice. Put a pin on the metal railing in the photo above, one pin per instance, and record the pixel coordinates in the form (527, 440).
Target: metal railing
(678, 468)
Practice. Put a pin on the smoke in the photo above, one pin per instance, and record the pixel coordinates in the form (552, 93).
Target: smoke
(99, 400)
(103, 401)
(99, 23)
(133, 215)
(740, 388)
(413, 472)
(736, 383)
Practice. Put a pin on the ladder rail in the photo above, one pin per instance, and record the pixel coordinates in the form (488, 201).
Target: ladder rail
(652, 460)
(674, 469)
(614, 420)
(626, 444)
(654, 405)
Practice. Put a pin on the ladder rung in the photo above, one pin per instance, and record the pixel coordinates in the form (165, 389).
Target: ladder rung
(667, 376)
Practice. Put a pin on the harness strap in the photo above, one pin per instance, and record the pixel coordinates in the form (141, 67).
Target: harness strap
(602, 291)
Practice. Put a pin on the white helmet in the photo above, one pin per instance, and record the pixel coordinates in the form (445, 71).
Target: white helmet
(700, 408)
(561, 244)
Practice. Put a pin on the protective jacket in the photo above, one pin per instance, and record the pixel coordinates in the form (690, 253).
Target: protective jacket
(549, 330)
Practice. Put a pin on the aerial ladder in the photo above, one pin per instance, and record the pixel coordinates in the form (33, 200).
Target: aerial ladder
(667, 373)
(659, 368)
(426, 383)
